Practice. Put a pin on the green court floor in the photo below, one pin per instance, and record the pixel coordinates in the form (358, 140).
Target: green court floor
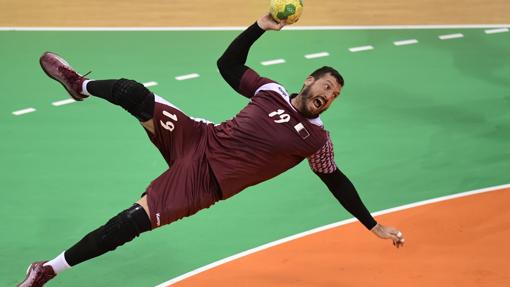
(414, 122)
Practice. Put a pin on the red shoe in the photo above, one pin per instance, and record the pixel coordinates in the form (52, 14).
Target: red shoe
(59, 70)
(37, 275)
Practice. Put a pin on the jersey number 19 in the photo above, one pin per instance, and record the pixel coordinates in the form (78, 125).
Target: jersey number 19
(169, 125)
(284, 118)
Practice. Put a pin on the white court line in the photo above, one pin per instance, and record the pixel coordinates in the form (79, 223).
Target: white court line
(23, 111)
(150, 84)
(63, 102)
(187, 77)
(362, 48)
(317, 55)
(494, 31)
(405, 42)
(451, 36)
(237, 28)
(326, 227)
(273, 62)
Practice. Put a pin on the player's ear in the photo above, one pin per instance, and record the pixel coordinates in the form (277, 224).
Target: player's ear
(309, 80)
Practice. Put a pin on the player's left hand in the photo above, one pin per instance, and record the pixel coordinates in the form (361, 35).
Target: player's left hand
(267, 22)
(386, 232)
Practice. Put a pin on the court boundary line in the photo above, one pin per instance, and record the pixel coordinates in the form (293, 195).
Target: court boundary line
(238, 28)
(327, 227)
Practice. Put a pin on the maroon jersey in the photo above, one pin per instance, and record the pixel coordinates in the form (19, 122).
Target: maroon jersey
(264, 139)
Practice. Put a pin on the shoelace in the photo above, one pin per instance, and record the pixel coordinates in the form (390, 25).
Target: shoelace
(74, 76)
(46, 275)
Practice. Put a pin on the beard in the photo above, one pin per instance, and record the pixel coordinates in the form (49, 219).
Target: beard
(303, 109)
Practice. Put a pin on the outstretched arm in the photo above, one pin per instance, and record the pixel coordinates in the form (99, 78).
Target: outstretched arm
(345, 192)
(323, 164)
(232, 63)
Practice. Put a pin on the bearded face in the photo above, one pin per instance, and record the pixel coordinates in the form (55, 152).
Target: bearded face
(304, 103)
(317, 95)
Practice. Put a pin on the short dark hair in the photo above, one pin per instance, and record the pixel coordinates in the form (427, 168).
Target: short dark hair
(319, 73)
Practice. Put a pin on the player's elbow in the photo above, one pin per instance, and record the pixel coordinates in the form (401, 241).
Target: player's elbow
(219, 64)
(222, 59)
(222, 68)
(226, 68)
(222, 64)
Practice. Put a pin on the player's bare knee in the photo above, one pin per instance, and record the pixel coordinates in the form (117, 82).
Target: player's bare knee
(134, 98)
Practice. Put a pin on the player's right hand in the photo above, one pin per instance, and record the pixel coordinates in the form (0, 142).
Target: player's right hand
(386, 232)
(267, 22)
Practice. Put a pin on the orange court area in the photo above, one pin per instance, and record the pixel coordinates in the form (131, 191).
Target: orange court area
(458, 242)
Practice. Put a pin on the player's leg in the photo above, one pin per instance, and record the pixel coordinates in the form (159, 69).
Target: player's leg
(130, 95)
(120, 229)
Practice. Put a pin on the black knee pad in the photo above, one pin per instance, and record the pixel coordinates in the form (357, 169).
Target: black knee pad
(134, 98)
(123, 228)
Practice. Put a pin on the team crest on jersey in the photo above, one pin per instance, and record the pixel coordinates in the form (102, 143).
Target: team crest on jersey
(302, 131)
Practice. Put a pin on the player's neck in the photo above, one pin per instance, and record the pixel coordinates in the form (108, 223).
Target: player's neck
(296, 103)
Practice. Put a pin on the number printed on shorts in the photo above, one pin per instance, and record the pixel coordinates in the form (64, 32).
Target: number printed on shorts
(284, 118)
(169, 125)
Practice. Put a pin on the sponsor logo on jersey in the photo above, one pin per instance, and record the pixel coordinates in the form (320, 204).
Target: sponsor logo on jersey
(282, 91)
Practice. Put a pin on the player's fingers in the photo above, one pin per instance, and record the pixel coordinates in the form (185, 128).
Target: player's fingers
(401, 238)
(394, 237)
(400, 243)
(397, 234)
(397, 239)
(282, 24)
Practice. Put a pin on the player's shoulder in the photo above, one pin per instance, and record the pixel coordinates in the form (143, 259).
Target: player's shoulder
(272, 86)
(318, 123)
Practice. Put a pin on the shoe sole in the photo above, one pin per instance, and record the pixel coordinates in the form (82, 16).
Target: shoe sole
(68, 91)
(26, 275)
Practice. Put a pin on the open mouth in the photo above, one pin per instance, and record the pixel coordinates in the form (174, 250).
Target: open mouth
(318, 102)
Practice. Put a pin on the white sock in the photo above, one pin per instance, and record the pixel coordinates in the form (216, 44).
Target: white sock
(58, 264)
(84, 88)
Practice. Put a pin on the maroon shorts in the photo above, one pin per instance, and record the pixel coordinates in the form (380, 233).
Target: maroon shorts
(189, 184)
